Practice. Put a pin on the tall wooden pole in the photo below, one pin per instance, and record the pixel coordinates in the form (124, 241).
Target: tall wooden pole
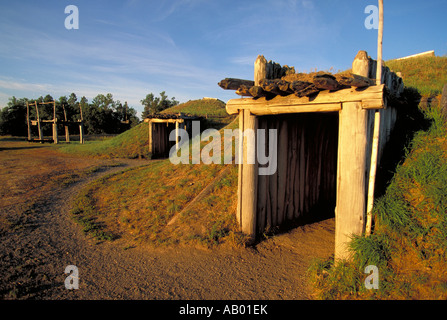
(249, 176)
(80, 110)
(39, 127)
(375, 142)
(28, 121)
(67, 133)
(55, 137)
(379, 45)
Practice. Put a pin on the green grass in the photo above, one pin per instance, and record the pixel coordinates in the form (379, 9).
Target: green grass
(427, 74)
(409, 243)
(130, 144)
(201, 107)
(133, 143)
(138, 203)
(212, 111)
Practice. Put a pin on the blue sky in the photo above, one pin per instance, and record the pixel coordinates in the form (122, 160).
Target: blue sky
(185, 47)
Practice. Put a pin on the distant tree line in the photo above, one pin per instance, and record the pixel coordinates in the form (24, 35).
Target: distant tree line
(103, 115)
(153, 105)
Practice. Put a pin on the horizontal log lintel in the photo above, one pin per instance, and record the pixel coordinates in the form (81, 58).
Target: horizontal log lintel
(325, 101)
(164, 120)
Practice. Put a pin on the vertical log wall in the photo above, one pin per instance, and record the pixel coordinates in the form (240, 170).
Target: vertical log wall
(304, 182)
(160, 139)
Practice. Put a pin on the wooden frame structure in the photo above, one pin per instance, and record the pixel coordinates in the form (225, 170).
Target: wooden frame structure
(54, 122)
(160, 127)
(324, 150)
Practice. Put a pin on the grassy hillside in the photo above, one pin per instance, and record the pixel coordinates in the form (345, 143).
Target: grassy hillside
(212, 110)
(408, 243)
(202, 107)
(131, 144)
(139, 203)
(428, 75)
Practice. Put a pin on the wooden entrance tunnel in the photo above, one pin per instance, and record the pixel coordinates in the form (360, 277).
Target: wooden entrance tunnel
(160, 126)
(327, 132)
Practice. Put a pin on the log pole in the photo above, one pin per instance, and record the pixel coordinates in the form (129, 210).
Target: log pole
(81, 132)
(67, 133)
(249, 176)
(260, 70)
(351, 176)
(150, 136)
(55, 136)
(376, 134)
(39, 127)
(240, 168)
(379, 45)
(372, 173)
(28, 120)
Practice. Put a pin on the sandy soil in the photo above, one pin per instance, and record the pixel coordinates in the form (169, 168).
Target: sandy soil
(38, 240)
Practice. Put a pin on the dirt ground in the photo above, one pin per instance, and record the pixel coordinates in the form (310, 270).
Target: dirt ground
(38, 240)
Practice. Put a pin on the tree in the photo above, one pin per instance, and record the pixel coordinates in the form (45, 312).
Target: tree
(13, 118)
(102, 115)
(153, 105)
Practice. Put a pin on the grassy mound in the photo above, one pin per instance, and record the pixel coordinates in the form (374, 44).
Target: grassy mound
(130, 144)
(427, 74)
(163, 203)
(206, 107)
(133, 143)
(212, 110)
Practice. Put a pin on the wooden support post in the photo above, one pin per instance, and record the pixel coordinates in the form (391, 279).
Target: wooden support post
(80, 111)
(150, 136)
(39, 127)
(249, 176)
(351, 176)
(240, 168)
(81, 132)
(260, 70)
(360, 65)
(372, 173)
(67, 133)
(176, 135)
(55, 137)
(28, 121)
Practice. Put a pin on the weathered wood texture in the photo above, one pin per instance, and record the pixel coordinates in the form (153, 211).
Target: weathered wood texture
(379, 45)
(331, 132)
(81, 132)
(307, 161)
(28, 121)
(325, 101)
(234, 84)
(159, 131)
(249, 176)
(271, 79)
(160, 139)
(39, 127)
(351, 176)
(55, 121)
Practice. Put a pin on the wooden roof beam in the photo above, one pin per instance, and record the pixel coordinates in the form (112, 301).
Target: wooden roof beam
(325, 101)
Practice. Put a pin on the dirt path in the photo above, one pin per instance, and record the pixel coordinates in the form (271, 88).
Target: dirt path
(38, 240)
